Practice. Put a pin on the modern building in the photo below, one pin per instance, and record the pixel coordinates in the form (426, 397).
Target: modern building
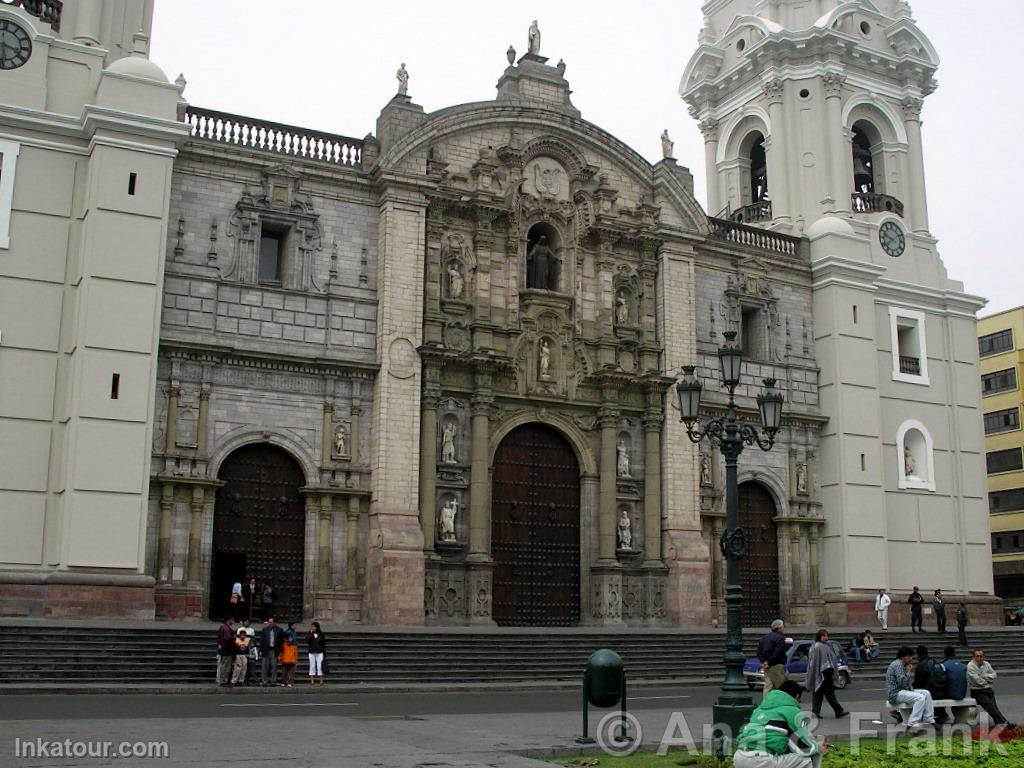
(424, 376)
(1001, 347)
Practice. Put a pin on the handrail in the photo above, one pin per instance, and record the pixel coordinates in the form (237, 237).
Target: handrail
(875, 202)
(754, 237)
(268, 136)
(759, 211)
(45, 10)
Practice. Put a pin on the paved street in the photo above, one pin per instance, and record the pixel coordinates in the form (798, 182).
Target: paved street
(407, 730)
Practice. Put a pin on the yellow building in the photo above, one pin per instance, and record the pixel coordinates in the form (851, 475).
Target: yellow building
(1001, 348)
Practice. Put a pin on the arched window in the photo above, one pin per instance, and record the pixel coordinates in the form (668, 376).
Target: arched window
(758, 169)
(914, 457)
(863, 161)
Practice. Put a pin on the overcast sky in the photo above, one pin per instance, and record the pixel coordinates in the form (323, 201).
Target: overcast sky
(331, 66)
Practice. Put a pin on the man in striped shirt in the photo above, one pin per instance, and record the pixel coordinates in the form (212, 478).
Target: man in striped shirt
(899, 689)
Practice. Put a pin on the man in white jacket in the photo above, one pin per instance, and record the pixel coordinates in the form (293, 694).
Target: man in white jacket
(882, 603)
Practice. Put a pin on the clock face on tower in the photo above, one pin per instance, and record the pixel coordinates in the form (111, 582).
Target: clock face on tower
(15, 45)
(891, 237)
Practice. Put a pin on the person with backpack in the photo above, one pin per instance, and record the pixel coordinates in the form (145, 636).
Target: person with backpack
(929, 674)
(956, 674)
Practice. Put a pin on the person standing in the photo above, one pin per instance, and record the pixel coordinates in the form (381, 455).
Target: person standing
(980, 677)
(269, 598)
(250, 593)
(776, 735)
(271, 640)
(962, 620)
(251, 651)
(822, 666)
(316, 645)
(940, 611)
(241, 665)
(882, 603)
(956, 674)
(289, 654)
(916, 601)
(773, 651)
(225, 651)
(899, 689)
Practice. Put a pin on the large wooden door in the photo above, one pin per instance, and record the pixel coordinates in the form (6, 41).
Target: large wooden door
(535, 529)
(259, 528)
(759, 569)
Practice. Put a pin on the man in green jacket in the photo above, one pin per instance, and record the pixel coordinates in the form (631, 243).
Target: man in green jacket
(777, 735)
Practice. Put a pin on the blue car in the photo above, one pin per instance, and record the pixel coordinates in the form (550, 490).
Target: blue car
(796, 665)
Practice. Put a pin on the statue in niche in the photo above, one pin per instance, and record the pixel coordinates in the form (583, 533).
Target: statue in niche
(625, 531)
(448, 442)
(667, 144)
(448, 512)
(909, 462)
(705, 470)
(540, 266)
(622, 462)
(545, 359)
(533, 39)
(455, 282)
(621, 308)
(801, 477)
(403, 80)
(339, 442)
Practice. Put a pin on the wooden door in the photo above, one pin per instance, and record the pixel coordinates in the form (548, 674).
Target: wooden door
(759, 569)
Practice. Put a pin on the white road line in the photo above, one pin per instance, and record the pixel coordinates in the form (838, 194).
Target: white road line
(286, 704)
(652, 698)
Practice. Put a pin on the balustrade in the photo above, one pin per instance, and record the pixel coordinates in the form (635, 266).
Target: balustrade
(873, 202)
(44, 10)
(910, 365)
(759, 211)
(754, 237)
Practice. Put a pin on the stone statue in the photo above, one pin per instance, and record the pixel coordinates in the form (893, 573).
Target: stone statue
(455, 283)
(666, 144)
(510, 54)
(801, 477)
(621, 309)
(625, 531)
(448, 443)
(540, 265)
(705, 470)
(448, 512)
(533, 44)
(403, 80)
(622, 464)
(545, 359)
(909, 462)
(339, 442)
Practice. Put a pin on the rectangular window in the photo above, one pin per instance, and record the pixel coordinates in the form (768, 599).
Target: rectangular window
(909, 352)
(998, 381)
(1002, 421)
(8, 160)
(270, 256)
(1004, 461)
(994, 343)
(115, 386)
(1006, 501)
(752, 334)
(132, 177)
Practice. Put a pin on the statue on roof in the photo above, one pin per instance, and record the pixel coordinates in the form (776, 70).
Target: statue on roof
(403, 80)
(533, 45)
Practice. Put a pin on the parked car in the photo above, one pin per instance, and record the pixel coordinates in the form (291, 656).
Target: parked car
(796, 665)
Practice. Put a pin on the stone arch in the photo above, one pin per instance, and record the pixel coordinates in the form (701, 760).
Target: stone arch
(913, 436)
(564, 152)
(247, 435)
(751, 118)
(775, 487)
(869, 108)
(572, 433)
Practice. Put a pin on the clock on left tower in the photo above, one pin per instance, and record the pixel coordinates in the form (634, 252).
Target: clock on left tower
(15, 45)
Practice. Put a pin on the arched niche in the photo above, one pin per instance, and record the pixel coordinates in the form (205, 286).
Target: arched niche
(544, 257)
(915, 461)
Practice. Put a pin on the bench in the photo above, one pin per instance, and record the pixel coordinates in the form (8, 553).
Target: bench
(961, 711)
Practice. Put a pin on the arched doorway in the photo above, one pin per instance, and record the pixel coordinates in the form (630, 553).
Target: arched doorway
(535, 529)
(759, 569)
(259, 528)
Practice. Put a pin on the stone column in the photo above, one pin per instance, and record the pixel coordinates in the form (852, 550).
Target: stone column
(775, 155)
(311, 559)
(814, 588)
(428, 470)
(479, 513)
(323, 570)
(204, 419)
(87, 22)
(163, 557)
(652, 485)
(171, 434)
(352, 542)
(709, 128)
(917, 193)
(353, 432)
(839, 149)
(718, 575)
(327, 434)
(608, 418)
(195, 534)
(799, 589)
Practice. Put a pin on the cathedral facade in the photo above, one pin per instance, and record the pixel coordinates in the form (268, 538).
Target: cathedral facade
(426, 376)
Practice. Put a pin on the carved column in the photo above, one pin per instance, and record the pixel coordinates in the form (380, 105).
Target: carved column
(918, 201)
(163, 557)
(814, 588)
(324, 543)
(608, 418)
(478, 475)
(351, 542)
(716, 558)
(840, 184)
(775, 156)
(709, 128)
(799, 590)
(606, 303)
(652, 485)
(428, 469)
(204, 417)
(353, 432)
(171, 434)
(195, 533)
(327, 436)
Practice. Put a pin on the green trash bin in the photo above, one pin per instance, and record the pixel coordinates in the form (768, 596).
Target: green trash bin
(604, 686)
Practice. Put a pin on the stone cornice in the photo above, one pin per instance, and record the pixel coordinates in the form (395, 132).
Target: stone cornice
(278, 363)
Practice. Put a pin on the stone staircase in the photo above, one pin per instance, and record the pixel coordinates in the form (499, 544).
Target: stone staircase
(49, 658)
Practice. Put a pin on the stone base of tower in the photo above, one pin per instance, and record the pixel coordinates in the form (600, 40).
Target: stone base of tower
(688, 588)
(179, 602)
(62, 595)
(855, 610)
(394, 568)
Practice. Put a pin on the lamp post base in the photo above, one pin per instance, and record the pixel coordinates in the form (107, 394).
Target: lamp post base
(729, 718)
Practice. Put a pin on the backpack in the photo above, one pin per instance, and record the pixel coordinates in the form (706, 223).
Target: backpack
(940, 676)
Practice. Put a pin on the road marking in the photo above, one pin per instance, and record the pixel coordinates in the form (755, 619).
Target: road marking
(652, 698)
(292, 704)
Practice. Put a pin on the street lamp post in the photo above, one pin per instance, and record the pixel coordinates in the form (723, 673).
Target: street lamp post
(735, 703)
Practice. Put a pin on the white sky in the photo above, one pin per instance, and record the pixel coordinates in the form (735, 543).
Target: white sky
(331, 66)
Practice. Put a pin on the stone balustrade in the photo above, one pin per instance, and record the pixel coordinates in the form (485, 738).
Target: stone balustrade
(755, 237)
(874, 202)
